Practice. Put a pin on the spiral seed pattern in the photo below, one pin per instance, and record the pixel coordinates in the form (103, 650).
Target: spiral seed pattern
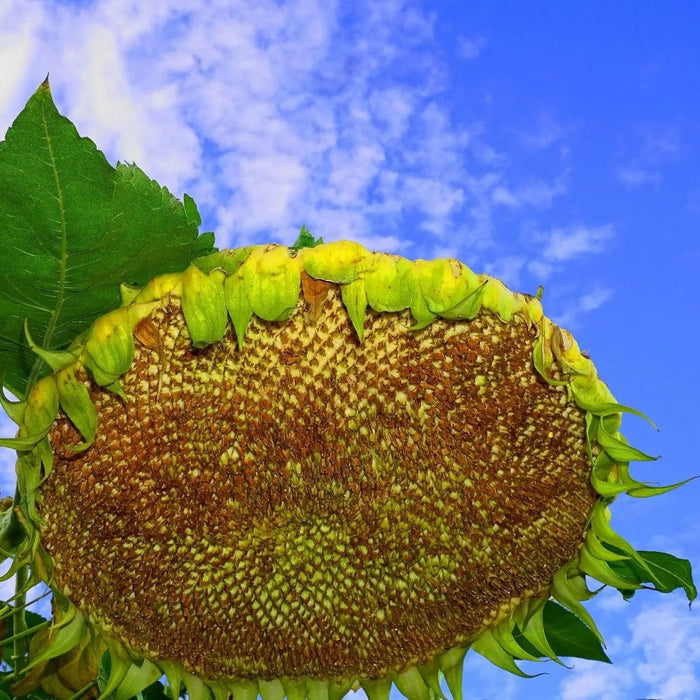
(312, 506)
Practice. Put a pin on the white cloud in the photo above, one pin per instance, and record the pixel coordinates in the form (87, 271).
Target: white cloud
(545, 131)
(667, 638)
(561, 247)
(269, 184)
(535, 193)
(436, 198)
(269, 113)
(592, 681)
(594, 300)
(658, 142)
(470, 48)
(17, 48)
(660, 657)
(352, 172)
(393, 108)
(632, 176)
(565, 244)
(651, 148)
(582, 305)
(274, 115)
(508, 269)
(540, 270)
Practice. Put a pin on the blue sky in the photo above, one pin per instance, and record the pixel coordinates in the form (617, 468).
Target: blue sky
(547, 143)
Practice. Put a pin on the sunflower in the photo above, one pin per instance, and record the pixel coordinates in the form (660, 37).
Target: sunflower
(300, 471)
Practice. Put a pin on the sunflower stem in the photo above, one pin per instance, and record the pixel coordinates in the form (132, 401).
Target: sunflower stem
(29, 631)
(20, 643)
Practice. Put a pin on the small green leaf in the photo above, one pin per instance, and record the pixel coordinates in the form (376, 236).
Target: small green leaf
(305, 240)
(155, 691)
(191, 210)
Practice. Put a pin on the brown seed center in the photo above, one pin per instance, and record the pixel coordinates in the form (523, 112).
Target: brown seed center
(312, 506)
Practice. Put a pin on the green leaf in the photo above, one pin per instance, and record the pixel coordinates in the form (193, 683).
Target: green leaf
(72, 228)
(12, 532)
(305, 240)
(191, 210)
(104, 670)
(567, 635)
(669, 573)
(155, 691)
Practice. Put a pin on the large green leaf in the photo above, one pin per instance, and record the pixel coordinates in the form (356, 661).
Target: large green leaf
(668, 573)
(567, 635)
(72, 227)
(570, 636)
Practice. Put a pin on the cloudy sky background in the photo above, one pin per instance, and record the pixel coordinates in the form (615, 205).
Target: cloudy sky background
(546, 143)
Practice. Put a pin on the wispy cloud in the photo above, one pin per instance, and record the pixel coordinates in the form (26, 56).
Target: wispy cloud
(591, 681)
(581, 305)
(507, 268)
(535, 193)
(470, 48)
(272, 115)
(265, 112)
(565, 244)
(658, 142)
(17, 47)
(559, 248)
(544, 131)
(650, 149)
(594, 300)
(633, 176)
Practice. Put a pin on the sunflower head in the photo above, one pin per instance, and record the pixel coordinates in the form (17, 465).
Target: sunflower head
(294, 472)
